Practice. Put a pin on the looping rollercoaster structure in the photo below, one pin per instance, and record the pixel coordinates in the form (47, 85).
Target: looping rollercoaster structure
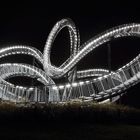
(86, 85)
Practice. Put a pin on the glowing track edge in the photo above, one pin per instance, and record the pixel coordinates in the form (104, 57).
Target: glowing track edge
(87, 85)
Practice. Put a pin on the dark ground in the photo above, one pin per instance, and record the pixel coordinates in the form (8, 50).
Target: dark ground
(70, 121)
(81, 131)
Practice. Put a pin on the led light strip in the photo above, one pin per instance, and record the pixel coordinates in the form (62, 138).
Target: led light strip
(77, 52)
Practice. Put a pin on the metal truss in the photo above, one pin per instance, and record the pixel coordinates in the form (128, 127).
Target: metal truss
(85, 85)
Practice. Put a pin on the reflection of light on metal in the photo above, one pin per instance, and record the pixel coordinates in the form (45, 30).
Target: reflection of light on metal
(61, 87)
(54, 87)
(68, 85)
(74, 84)
(87, 81)
(81, 83)
(31, 88)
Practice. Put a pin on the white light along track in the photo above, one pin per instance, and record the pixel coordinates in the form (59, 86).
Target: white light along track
(92, 84)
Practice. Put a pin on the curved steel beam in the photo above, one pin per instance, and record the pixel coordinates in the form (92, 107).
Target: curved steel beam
(12, 69)
(77, 53)
(74, 45)
(57, 72)
(20, 49)
(15, 69)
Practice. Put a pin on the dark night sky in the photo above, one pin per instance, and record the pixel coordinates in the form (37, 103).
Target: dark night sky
(30, 23)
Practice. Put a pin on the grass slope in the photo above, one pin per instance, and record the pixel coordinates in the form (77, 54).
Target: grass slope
(69, 121)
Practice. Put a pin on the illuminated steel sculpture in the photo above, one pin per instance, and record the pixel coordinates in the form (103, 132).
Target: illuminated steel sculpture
(101, 85)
